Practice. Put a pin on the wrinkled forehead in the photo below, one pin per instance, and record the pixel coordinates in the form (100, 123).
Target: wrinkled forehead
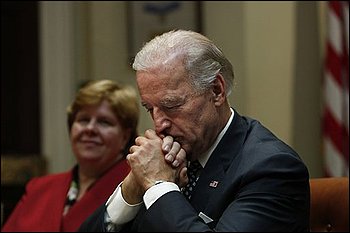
(157, 84)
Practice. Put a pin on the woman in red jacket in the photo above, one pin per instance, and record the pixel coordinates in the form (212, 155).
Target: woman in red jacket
(102, 123)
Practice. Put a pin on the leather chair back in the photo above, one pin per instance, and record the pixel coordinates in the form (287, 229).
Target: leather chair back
(329, 210)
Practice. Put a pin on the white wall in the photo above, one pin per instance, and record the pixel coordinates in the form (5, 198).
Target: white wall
(57, 59)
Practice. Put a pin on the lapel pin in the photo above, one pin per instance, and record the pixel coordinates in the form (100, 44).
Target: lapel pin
(213, 183)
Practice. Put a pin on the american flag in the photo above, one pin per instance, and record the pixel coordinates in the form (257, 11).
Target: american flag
(336, 91)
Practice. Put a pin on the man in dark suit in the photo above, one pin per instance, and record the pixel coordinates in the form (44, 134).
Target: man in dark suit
(250, 180)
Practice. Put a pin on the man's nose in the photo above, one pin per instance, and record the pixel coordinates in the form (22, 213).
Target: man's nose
(161, 121)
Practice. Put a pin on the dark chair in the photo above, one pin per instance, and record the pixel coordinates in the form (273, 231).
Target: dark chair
(329, 210)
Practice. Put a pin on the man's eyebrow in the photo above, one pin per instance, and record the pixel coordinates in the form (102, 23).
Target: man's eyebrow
(166, 101)
(172, 99)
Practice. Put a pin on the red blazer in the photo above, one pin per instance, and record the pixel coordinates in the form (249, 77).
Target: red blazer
(41, 207)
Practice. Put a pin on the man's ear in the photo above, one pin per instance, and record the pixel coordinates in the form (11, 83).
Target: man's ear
(218, 89)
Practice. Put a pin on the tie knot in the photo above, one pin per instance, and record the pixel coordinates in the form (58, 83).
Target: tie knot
(194, 167)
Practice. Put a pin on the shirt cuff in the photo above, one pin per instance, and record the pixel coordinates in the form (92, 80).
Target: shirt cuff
(156, 191)
(118, 210)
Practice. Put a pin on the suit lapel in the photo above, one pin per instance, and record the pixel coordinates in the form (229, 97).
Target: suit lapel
(212, 181)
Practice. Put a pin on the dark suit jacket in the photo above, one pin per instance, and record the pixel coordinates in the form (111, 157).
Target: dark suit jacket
(262, 185)
(41, 207)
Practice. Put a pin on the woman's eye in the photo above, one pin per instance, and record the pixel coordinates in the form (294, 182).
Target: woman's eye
(105, 123)
(83, 120)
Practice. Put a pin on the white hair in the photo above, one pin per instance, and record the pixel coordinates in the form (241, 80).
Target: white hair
(202, 59)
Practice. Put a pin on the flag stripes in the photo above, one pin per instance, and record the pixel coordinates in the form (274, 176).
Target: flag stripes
(336, 91)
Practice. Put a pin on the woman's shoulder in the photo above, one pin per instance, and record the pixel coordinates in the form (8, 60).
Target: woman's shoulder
(50, 180)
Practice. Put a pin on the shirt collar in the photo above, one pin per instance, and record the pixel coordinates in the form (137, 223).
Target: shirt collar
(205, 157)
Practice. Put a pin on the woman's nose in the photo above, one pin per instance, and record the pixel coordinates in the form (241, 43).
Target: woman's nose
(91, 126)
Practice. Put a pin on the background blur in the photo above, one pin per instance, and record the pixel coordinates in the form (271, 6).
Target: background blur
(49, 49)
